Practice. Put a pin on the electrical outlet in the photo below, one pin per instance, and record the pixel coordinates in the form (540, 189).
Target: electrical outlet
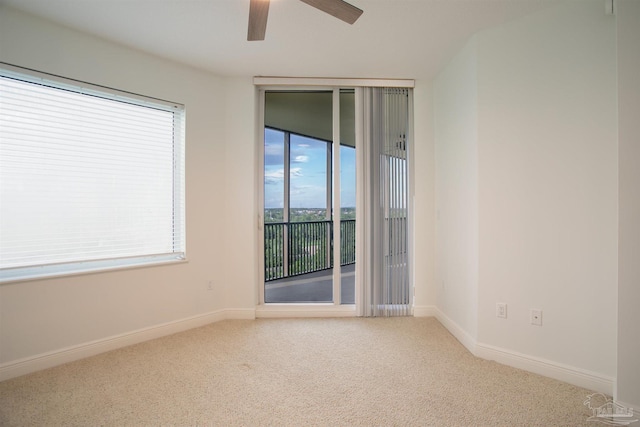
(536, 316)
(210, 285)
(501, 310)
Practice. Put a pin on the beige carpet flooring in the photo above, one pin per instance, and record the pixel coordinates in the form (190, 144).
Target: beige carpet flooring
(295, 372)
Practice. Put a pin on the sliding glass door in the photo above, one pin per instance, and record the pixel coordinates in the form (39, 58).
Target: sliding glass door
(336, 211)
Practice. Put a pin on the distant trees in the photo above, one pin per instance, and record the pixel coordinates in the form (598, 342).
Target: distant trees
(305, 214)
(273, 215)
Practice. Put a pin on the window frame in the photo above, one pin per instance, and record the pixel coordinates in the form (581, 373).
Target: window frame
(178, 217)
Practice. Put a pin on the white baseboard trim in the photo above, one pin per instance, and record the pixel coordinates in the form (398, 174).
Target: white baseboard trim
(616, 398)
(460, 334)
(239, 314)
(58, 357)
(569, 374)
(424, 311)
(274, 311)
(636, 408)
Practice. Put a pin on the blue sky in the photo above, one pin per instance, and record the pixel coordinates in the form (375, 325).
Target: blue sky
(308, 172)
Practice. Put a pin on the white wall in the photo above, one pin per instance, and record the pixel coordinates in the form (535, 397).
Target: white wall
(628, 386)
(423, 191)
(43, 316)
(456, 153)
(542, 132)
(239, 201)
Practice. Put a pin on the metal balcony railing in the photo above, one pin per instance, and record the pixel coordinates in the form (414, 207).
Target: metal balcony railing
(294, 248)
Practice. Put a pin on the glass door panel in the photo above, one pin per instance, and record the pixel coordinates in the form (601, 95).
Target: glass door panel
(298, 194)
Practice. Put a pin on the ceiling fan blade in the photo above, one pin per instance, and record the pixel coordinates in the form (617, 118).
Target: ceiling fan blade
(258, 12)
(338, 8)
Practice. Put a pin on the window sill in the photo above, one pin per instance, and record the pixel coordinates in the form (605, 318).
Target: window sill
(78, 269)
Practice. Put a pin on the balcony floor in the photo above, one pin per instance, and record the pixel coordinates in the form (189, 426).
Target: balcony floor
(312, 287)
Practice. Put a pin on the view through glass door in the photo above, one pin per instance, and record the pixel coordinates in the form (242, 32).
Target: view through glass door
(309, 244)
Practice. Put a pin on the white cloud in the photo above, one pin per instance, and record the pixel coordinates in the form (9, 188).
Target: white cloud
(277, 176)
(301, 159)
(274, 176)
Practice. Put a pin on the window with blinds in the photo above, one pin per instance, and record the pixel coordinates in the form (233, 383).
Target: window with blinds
(90, 178)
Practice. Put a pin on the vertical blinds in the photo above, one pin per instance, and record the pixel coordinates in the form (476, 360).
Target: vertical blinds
(87, 176)
(387, 288)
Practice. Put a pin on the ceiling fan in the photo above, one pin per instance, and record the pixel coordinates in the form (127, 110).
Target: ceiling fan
(259, 10)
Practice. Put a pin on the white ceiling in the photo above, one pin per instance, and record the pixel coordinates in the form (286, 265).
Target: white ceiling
(392, 39)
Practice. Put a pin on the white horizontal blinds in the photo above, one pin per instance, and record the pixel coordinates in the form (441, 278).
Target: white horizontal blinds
(387, 121)
(84, 176)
